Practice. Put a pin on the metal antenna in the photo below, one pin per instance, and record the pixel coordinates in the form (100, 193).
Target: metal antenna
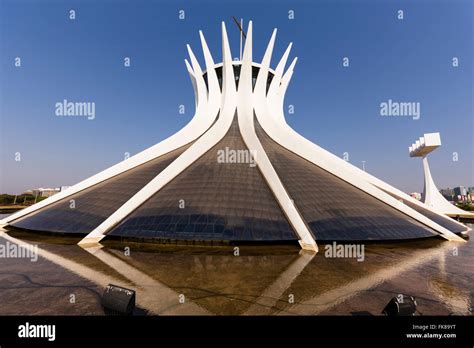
(240, 26)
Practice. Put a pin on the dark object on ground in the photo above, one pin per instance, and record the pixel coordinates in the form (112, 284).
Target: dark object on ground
(402, 305)
(118, 300)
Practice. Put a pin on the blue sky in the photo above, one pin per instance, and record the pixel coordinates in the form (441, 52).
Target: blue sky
(338, 108)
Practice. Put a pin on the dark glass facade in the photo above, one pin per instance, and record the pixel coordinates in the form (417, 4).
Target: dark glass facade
(237, 68)
(95, 204)
(334, 209)
(222, 202)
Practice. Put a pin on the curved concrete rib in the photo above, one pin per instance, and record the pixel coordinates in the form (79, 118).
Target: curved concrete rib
(193, 81)
(246, 125)
(193, 153)
(203, 118)
(271, 117)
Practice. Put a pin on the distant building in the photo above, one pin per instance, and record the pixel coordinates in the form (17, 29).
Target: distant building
(460, 193)
(447, 193)
(416, 195)
(470, 194)
(44, 192)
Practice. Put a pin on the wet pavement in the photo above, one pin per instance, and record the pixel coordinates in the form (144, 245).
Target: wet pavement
(261, 280)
